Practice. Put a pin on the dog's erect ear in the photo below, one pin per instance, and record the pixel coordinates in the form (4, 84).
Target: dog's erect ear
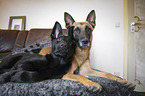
(92, 18)
(68, 20)
(70, 31)
(56, 31)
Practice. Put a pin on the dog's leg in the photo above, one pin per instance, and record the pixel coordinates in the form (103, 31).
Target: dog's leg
(83, 80)
(26, 76)
(6, 77)
(86, 70)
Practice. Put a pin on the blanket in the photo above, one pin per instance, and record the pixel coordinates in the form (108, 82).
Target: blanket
(59, 87)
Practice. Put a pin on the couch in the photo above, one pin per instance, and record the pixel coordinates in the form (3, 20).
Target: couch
(11, 40)
(14, 41)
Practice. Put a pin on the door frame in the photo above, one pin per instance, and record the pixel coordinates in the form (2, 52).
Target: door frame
(128, 40)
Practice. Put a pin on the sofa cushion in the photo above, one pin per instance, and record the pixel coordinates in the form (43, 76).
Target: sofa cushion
(7, 40)
(39, 35)
(20, 42)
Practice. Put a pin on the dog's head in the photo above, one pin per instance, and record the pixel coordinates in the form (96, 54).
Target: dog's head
(82, 31)
(62, 45)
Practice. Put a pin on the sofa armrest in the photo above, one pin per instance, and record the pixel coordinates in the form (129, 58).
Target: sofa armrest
(21, 40)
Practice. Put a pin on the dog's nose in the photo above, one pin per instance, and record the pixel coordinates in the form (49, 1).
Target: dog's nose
(63, 45)
(85, 42)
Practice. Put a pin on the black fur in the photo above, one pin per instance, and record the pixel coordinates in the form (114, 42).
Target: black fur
(26, 67)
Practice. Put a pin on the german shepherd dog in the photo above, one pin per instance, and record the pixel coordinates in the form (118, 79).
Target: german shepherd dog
(81, 62)
(26, 67)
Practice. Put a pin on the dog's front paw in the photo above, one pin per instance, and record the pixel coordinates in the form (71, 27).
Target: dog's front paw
(95, 89)
(130, 86)
(127, 84)
(92, 86)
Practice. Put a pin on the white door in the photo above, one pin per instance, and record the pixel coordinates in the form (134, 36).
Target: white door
(136, 55)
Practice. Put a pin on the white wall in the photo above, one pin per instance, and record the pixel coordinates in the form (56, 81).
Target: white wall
(107, 47)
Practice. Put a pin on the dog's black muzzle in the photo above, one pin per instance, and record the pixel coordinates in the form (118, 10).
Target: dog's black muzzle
(64, 47)
(84, 43)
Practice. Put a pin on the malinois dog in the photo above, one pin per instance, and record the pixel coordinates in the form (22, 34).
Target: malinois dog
(83, 38)
(26, 67)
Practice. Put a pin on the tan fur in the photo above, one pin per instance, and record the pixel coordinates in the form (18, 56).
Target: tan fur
(83, 24)
(45, 50)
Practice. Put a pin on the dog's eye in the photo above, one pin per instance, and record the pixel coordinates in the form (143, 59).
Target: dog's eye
(88, 30)
(77, 30)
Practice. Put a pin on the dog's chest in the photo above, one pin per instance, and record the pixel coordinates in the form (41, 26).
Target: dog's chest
(81, 54)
